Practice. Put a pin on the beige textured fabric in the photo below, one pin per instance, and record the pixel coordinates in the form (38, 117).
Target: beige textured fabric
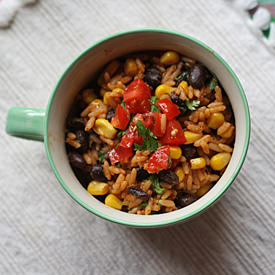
(42, 230)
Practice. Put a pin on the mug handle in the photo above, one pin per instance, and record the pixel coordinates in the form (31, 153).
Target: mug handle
(26, 123)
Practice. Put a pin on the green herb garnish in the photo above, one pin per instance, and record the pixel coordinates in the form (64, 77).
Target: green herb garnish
(149, 140)
(155, 184)
(144, 204)
(184, 76)
(101, 157)
(192, 104)
(213, 82)
(182, 109)
(154, 108)
(123, 105)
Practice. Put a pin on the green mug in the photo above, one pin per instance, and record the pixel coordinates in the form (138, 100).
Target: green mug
(49, 125)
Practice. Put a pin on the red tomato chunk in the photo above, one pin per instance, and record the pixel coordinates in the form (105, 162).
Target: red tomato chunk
(121, 118)
(174, 134)
(137, 97)
(159, 160)
(169, 108)
(120, 154)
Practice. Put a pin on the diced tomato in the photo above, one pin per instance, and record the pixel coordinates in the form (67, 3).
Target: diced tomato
(136, 118)
(159, 160)
(130, 137)
(120, 154)
(138, 106)
(174, 134)
(137, 89)
(156, 129)
(137, 97)
(168, 107)
(148, 120)
(121, 118)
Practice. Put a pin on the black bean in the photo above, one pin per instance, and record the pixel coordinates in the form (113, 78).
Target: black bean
(152, 77)
(141, 174)
(97, 173)
(198, 75)
(137, 192)
(184, 199)
(169, 177)
(76, 160)
(83, 138)
(83, 176)
(76, 123)
(189, 151)
(110, 114)
(176, 99)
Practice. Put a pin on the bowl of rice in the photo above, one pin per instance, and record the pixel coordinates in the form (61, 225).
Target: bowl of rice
(147, 128)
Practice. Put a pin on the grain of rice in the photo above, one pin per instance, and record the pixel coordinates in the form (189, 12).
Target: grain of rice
(163, 123)
(165, 185)
(106, 76)
(170, 83)
(166, 194)
(223, 128)
(167, 74)
(140, 65)
(73, 143)
(225, 148)
(71, 136)
(90, 124)
(197, 93)
(126, 79)
(185, 167)
(107, 173)
(133, 175)
(189, 183)
(116, 170)
(213, 177)
(218, 94)
(190, 92)
(107, 140)
(148, 208)
(145, 185)
(217, 109)
(167, 203)
(87, 157)
(214, 147)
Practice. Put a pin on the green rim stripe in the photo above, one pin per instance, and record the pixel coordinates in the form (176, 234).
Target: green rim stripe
(102, 215)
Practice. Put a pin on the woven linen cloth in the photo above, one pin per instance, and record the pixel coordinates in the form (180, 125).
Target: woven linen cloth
(44, 231)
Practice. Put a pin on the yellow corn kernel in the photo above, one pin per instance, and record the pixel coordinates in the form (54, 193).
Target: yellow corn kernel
(169, 58)
(197, 163)
(113, 201)
(191, 137)
(203, 190)
(105, 101)
(98, 188)
(215, 120)
(102, 92)
(162, 89)
(179, 172)
(175, 152)
(130, 67)
(104, 128)
(88, 95)
(219, 161)
(99, 101)
(184, 85)
(228, 133)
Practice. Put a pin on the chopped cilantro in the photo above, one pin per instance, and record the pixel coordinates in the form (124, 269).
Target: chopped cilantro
(183, 76)
(101, 157)
(182, 109)
(213, 82)
(149, 140)
(192, 104)
(155, 184)
(123, 105)
(144, 204)
(154, 108)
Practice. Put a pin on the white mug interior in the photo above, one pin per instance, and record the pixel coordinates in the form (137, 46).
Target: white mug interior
(83, 71)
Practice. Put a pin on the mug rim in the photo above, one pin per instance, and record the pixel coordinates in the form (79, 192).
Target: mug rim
(194, 212)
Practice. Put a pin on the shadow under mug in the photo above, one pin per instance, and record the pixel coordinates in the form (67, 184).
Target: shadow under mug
(49, 125)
